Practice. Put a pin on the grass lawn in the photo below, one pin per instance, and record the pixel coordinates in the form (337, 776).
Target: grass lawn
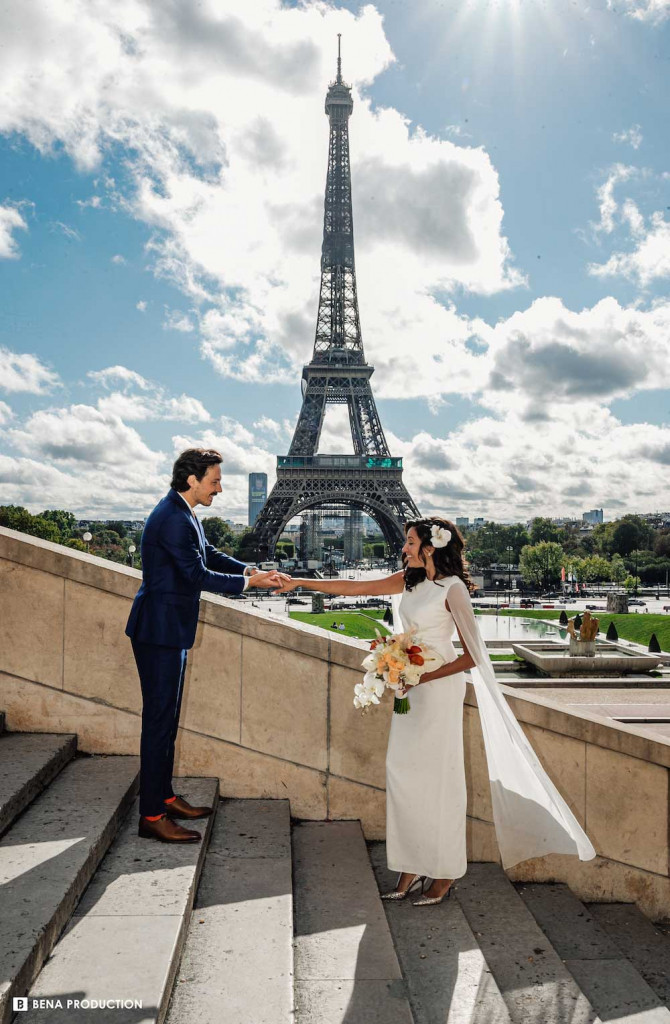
(635, 627)
(359, 624)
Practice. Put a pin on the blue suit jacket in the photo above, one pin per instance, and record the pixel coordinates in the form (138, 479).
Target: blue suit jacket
(177, 563)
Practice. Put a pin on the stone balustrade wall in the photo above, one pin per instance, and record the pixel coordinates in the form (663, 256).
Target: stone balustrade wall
(268, 709)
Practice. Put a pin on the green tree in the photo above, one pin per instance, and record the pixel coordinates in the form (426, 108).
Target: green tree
(662, 544)
(491, 542)
(65, 521)
(618, 570)
(540, 564)
(76, 543)
(118, 527)
(15, 517)
(244, 546)
(544, 530)
(596, 569)
(44, 528)
(630, 534)
(218, 533)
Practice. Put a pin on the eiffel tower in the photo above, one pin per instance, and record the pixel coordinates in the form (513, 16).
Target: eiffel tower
(371, 479)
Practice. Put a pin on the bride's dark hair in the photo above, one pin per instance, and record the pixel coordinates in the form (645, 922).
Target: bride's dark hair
(448, 561)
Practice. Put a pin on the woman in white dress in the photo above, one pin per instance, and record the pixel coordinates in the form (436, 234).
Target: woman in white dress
(425, 768)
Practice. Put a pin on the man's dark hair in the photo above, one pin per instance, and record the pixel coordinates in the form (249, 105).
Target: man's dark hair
(194, 461)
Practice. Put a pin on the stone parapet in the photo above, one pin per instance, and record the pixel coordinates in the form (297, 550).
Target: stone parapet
(268, 709)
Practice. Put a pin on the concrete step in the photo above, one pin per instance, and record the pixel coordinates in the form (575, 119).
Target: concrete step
(533, 981)
(607, 978)
(48, 857)
(647, 948)
(237, 964)
(447, 977)
(126, 936)
(28, 763)
(346, 968)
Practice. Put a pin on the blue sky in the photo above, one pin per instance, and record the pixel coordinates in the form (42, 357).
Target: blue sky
(160, 229)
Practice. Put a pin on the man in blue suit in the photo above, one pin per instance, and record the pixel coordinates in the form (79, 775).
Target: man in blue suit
(177, 564)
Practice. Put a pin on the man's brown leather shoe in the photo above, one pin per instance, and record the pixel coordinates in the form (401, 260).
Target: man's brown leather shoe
(167, 831)
(180, 808)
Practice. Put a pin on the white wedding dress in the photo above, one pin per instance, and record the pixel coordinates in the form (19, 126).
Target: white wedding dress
(425, 766)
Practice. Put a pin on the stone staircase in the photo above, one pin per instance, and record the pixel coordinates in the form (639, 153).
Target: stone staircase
(268, 921)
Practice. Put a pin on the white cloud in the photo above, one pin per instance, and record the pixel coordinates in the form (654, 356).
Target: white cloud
(142, 306)
(607, 203)
(277, 431)
(81, 434)
(653, 11)
(632, 136)
(648, 261)
(548, 356)
(114, 375)
(20, 371)
(118, 259)
(68, 231)
(95, 202)
(234, 188)
(128, 490)
(6, 413)
(175, 320)
(499, 467)
(10, 220)
(140, 399)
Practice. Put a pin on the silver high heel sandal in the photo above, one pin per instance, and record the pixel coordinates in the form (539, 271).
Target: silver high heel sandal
(431, 901)
(400, 894)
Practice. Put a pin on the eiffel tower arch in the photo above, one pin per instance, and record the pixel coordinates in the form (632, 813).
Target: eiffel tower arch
(371, 479)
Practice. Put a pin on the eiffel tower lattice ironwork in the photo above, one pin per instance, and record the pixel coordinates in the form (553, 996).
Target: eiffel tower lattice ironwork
(371, 479)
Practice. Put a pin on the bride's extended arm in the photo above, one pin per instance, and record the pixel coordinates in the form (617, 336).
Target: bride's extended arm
(347, 588)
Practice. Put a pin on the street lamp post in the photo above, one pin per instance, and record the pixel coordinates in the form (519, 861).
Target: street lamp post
(131, 554)
(497, 594)
(87, 538)
(510, 550)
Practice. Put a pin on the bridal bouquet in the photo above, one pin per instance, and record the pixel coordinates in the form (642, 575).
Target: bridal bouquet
(397, 662)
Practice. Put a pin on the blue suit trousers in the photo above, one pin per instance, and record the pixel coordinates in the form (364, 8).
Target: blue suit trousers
(161, 671)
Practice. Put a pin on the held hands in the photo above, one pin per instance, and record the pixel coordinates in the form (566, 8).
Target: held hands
(273, 578)
(287, 585)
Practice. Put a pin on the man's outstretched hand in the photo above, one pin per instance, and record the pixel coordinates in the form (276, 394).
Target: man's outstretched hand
(273, 578)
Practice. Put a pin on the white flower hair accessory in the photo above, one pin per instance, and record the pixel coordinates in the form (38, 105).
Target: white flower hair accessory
(439, 537)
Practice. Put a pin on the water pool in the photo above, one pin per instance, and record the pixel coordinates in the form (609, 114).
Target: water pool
(511, 627)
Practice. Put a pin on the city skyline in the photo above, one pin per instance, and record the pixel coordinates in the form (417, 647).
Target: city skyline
(159, 240)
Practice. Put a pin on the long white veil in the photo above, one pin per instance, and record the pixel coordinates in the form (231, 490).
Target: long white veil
(531, 817)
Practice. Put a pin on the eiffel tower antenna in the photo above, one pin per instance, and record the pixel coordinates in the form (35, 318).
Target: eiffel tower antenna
(371, 479)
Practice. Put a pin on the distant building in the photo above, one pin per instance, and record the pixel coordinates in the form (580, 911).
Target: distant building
(478, 523)
(310, 536)
(463, 521)
(235, 528)
(353, 536)
(595, 515)
(258, 495)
